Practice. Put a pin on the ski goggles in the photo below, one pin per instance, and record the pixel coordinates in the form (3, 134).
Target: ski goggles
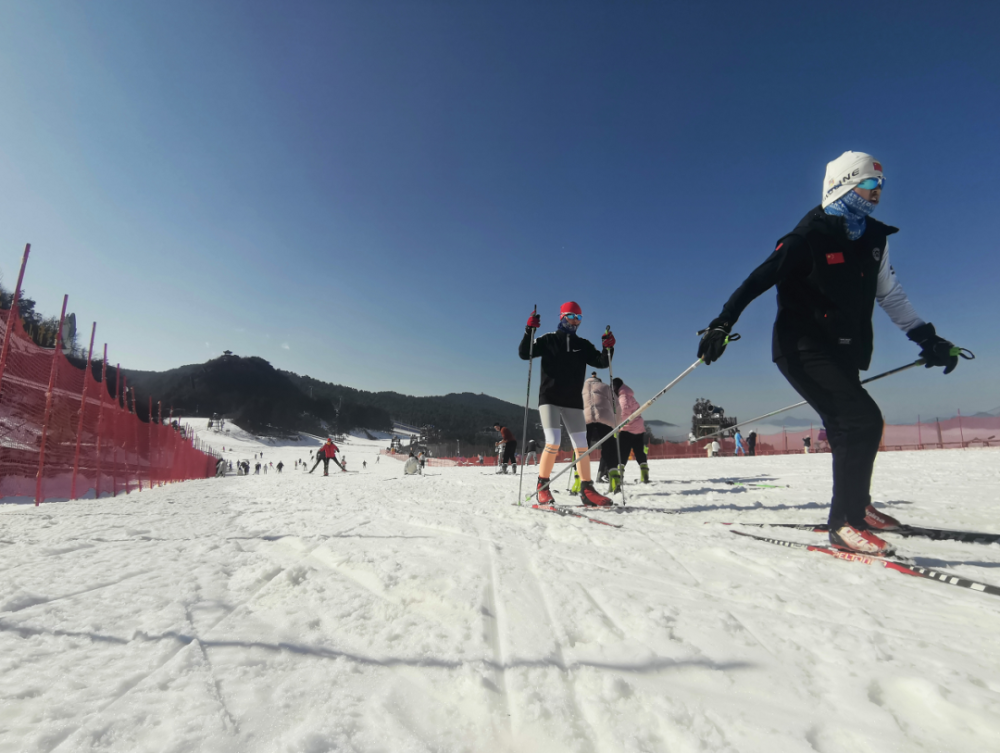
(870, 183)
(573, 317)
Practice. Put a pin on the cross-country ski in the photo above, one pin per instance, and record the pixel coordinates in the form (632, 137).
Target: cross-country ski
(907, 531)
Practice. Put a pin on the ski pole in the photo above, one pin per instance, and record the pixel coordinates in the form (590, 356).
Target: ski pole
(956, 351)
(636, 414)
(527, 402)
(614, 411)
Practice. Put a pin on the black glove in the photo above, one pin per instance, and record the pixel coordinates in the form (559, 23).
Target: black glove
(934, 350)
(714, 339)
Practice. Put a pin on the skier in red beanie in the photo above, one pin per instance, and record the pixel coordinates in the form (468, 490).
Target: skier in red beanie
(565, 357)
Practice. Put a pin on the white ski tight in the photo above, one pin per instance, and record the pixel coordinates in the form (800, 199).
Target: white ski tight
(576, 425)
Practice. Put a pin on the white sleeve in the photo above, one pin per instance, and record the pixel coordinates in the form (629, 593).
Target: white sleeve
(892, 298)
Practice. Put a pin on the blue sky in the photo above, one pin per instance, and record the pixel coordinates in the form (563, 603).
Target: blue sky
(376, 193)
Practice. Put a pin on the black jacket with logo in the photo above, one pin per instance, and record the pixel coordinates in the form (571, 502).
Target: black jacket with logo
(826, 288)
(565, 359)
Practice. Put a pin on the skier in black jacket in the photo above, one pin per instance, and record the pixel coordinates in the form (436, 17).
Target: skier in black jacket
(829, 272)
(565, 358)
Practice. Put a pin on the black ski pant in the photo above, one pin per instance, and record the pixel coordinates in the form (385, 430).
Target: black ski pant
(609, 450)
(510, 452)
(832, 386)
(632, 442)
(326, 465)
(752, 448)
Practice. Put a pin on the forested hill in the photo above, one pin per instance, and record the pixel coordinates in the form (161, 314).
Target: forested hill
(464, 416)
(260, 398)
(248, 391)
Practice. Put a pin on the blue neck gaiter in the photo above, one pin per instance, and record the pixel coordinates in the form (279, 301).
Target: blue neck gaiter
(854, 210)
(569, 327)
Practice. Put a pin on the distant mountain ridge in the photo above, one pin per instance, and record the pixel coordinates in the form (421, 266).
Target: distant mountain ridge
(262, 399)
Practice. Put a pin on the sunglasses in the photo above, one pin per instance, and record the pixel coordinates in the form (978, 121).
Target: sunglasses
(573, 317)
(869, 183)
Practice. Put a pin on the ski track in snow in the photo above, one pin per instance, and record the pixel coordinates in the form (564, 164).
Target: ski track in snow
(294, 612)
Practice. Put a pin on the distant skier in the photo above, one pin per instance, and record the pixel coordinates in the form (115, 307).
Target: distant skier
(752, 443)
(738, 439)
(364, 464)
(530, 453)
(830, 271)
(325, 454)
(220, 468)
(633, 434)
(412, 465)
(565, 358)
(508, 446)
(279, 466)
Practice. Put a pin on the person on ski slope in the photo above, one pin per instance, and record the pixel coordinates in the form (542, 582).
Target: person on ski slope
(565, 357)
(738, 439)
(530, 452)
(600, 418)
(633, 434)
(326, 453)
(752, 443)
(508, 445)
(829, 272)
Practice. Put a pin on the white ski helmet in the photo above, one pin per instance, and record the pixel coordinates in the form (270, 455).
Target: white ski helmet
(845, 172)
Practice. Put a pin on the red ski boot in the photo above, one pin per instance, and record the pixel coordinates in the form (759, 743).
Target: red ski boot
(879, 520)
(849, 539)
(591, 497)
(544, 496)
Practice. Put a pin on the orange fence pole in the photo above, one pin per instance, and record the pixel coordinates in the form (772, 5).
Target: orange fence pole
(48, 404)
(83, 407)
(5, 348)
(100, 419)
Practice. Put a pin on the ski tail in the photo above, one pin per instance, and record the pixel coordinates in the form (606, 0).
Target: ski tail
(896, 565)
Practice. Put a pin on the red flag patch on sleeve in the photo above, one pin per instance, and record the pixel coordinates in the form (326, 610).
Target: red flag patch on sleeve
(835, 258)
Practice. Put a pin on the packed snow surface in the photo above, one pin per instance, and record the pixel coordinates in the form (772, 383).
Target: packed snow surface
(368, 611)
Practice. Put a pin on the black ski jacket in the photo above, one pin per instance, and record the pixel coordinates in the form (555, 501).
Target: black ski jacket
(565, 358)
(826, 288)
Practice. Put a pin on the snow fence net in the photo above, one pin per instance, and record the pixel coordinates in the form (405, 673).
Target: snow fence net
(78, 439)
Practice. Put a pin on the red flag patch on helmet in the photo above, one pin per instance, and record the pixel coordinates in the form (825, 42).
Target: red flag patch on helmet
(877, 166)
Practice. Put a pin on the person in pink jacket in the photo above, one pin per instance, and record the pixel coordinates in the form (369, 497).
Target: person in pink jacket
(633, 434)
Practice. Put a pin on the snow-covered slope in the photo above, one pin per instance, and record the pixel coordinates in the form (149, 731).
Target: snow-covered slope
(369, 611)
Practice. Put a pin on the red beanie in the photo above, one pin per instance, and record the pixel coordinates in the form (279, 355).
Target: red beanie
(570, 307)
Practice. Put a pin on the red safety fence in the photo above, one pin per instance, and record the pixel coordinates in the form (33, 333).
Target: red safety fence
(954, 433)
(64, 434)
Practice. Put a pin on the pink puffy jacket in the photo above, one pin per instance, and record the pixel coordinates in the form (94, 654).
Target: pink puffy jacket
(626, 399)
(597, 403)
